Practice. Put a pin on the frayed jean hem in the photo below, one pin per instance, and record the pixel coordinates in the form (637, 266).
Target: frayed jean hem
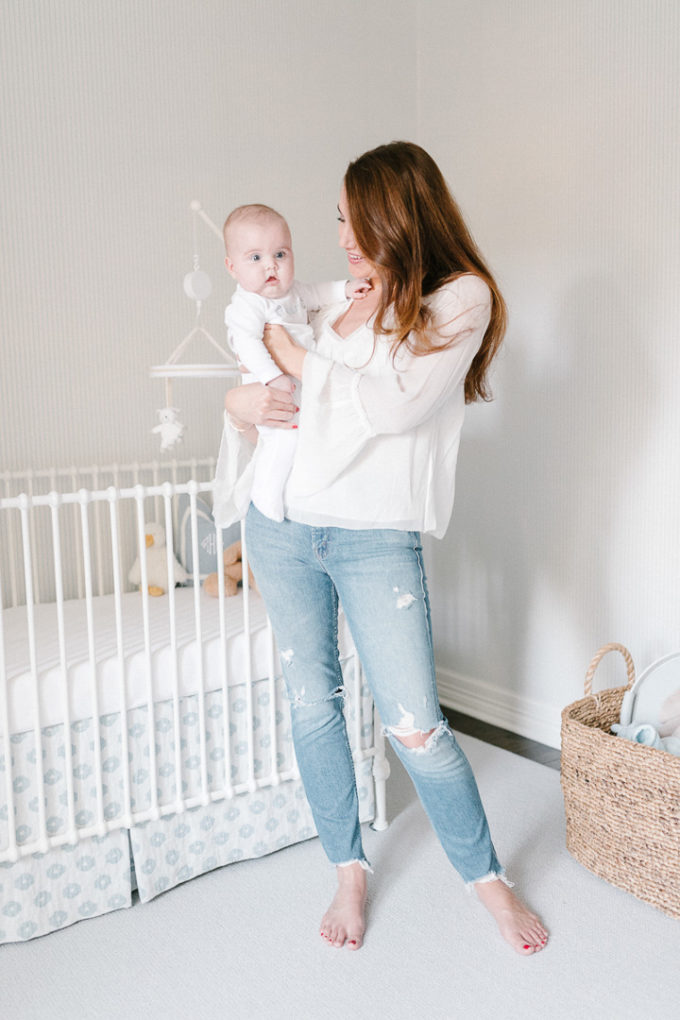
(357, 860)
(491, 876)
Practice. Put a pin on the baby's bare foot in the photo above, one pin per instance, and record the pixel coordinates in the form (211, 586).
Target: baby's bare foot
(516, 923)
(343, 922)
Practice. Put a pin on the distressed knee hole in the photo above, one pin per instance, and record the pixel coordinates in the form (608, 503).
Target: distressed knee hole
(419, 739)
(408, 734)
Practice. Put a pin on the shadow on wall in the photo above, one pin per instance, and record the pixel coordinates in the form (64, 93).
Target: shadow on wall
(522, 593)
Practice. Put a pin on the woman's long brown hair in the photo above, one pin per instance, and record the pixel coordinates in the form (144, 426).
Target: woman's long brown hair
(407, 223)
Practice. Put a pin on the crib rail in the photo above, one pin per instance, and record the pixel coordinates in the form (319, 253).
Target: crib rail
(35, 485)
(84, 540)
(70, 479)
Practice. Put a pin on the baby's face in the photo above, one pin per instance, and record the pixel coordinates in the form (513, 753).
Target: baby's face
(260, 257)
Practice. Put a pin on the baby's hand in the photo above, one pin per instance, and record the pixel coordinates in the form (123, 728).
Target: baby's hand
(282, 382)
(355, 290)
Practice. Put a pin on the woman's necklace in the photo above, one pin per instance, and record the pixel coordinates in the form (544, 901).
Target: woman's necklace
(357, 314)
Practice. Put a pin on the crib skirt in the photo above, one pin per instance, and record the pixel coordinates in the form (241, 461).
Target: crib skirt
(43, 892)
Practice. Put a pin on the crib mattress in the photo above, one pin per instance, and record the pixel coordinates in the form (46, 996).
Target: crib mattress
(198, 663)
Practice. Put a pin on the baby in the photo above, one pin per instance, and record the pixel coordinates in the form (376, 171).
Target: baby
(260, 258)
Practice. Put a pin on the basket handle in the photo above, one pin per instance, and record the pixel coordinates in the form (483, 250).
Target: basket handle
(613, 646)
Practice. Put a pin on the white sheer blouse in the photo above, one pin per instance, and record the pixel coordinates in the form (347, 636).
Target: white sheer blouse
(378, 440)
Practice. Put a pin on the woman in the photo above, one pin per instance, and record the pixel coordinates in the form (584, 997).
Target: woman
(384, 398)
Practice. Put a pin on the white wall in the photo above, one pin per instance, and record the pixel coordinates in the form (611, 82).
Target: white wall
(559, 135)
(116, 114)
(556, 124)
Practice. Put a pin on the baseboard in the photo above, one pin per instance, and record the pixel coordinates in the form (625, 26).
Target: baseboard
(536, 720)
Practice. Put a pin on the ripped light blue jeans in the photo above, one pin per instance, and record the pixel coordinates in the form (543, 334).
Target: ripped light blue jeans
(378, 577)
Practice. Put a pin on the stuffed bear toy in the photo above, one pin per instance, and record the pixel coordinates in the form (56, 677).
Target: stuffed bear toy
(170, 428)
(233, 573)
(156, 563)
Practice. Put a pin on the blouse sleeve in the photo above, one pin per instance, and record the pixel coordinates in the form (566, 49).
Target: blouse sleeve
(344, 408)
(233, 476)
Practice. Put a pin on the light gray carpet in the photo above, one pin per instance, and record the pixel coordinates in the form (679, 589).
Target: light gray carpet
(242, 944)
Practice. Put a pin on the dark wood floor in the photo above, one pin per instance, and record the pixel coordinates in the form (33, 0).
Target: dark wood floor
(503, 738)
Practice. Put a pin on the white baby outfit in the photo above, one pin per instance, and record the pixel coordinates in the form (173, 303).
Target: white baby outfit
(245, 318)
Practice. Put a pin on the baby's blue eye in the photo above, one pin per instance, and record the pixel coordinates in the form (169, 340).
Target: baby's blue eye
(254, 258)
(280, 255)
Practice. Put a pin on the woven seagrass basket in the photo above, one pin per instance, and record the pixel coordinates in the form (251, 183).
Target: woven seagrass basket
(622, 799)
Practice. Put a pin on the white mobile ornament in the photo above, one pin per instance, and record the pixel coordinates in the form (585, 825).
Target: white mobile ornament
(197, 287)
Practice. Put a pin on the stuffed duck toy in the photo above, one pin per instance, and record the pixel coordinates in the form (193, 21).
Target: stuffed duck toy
(645, 733)
(156, 563)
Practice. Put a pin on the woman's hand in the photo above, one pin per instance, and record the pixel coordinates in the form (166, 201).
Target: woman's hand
(287, 354)
(255, 404)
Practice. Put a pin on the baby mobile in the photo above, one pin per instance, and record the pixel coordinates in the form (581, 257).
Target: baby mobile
(197, 287)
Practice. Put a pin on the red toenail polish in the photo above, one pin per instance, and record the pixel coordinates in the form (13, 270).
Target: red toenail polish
(526, 947)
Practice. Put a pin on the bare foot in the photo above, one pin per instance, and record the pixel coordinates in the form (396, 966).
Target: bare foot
(516, 923)
(343, 922)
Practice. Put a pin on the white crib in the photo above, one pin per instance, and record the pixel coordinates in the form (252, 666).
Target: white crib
(143, 740)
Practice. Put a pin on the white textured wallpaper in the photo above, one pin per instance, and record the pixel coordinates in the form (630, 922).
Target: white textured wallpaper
(563, 146)
(115, 115)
